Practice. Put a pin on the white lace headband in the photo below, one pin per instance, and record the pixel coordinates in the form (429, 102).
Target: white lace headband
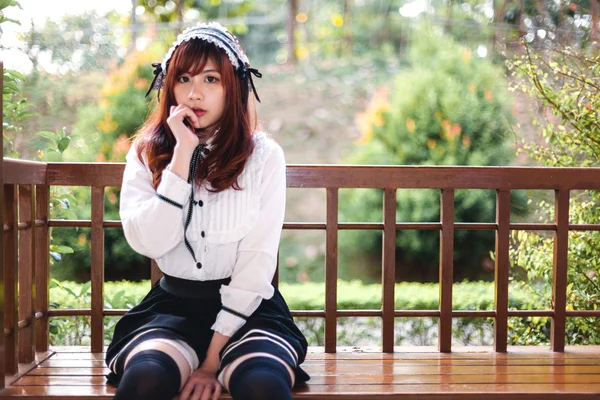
(217, 34)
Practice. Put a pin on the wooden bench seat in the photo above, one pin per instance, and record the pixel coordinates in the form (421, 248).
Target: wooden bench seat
(361, 373)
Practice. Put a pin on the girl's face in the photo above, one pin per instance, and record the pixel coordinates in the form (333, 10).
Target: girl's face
(204, 94)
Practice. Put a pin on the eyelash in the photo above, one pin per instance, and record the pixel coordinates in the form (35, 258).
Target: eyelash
(180, 79)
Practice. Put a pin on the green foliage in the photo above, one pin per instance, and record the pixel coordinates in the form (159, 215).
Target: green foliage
(309, 296)
(565, 82)
(448, 108)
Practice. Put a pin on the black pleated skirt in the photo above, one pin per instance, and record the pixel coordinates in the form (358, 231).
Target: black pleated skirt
(189, 315)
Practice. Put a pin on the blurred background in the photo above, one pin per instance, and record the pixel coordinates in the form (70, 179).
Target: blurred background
(390, 82)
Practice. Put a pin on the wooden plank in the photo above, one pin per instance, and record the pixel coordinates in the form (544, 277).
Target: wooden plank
(10, 277)
(559, 269)
(25, 369)
(42, 271)
(85, 174)
(337, 176)
(363, 378)
(97, 273)
(331, 271)
(26, 276)
(446, 270)
(435, 177)
(2, 293)
(388, 270)
(24, 172)
(501, 270)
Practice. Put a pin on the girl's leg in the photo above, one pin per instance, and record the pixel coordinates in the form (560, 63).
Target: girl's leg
(259, 376)
(154, 370)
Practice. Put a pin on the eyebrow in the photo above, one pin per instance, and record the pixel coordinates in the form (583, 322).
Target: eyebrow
(206, 71)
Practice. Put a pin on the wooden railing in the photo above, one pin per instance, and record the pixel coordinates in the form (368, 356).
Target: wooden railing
(25, 270)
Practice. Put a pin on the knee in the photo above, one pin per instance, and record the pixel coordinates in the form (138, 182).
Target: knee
(149, 375)
(260, 378)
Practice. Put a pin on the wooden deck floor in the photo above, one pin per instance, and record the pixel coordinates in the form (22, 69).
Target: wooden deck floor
(522, 373)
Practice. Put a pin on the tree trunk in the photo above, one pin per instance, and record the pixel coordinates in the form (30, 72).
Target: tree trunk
(179, 12)
(348, 4)
(133, 22)
(291, 25)
(594, 32)
(448, 26)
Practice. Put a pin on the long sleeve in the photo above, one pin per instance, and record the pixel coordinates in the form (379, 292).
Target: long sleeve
(256, 259)
(152, 219)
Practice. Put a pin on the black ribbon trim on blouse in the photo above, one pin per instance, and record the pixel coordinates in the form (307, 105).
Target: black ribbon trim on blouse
(197, 158)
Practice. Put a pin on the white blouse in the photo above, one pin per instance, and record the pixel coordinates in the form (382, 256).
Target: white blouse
(234, 233)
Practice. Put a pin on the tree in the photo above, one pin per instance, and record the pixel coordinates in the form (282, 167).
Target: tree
(448, 108)
(564, 82)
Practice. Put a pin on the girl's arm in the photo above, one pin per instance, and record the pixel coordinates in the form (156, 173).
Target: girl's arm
(257, 252)
(153, 219)
(211, 362)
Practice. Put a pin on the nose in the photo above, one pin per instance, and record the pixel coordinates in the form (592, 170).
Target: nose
(195, 92)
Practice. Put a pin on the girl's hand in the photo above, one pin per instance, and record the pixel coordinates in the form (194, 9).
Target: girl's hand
(203, 382)
(183, 135)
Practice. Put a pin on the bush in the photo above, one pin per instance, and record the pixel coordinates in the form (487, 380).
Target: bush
(450, 107)
(309, 296)
(564, 82)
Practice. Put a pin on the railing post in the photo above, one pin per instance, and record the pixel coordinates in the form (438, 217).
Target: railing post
(388, 270)
(446, 270)
(331, 271)
(559, 269)
(10, 277)
(2, 354)
(501, 270)
(97, 269)
(26, 274)
(42, 270)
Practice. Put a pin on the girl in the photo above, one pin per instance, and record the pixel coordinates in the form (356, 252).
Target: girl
(204, 195)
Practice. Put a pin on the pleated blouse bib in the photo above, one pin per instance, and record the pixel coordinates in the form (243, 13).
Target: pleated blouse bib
(234, 233)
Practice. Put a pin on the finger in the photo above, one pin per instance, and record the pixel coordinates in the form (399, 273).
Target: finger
(187, 390)
(217, 392)
(171, 110)
(190, 114)
(208, 389)
(198, 390)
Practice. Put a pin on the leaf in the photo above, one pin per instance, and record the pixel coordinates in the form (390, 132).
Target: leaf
(64, 250)
(62, 213)
(48, 135)
(56, 256)
(63, 144)
(86, 286)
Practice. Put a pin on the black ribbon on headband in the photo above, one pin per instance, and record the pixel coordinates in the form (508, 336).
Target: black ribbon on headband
(246, 73)
(157, 71)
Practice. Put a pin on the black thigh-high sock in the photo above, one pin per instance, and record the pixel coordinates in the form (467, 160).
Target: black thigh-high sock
(149, 375)
(260, 378)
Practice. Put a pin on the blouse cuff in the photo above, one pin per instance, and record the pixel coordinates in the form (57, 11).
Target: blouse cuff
(227, 324)
(173, 189)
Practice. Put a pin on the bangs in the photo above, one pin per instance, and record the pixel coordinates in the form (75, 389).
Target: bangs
(192, 56)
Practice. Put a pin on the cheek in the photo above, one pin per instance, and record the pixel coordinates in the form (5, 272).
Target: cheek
(179, 94)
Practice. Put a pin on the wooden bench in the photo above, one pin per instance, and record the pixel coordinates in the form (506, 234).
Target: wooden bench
(33, 369)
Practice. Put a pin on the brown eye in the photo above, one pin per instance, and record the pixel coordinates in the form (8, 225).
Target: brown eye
(183, 79)
(211, 79)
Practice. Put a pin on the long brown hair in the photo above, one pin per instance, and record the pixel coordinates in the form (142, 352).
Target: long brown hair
(232, 145)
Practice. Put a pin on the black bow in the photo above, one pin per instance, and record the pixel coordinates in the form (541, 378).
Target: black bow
(246, 73)
(157, 71)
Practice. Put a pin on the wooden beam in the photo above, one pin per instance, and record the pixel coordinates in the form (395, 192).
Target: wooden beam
(331, 271)
(388, 270)
(446, 270)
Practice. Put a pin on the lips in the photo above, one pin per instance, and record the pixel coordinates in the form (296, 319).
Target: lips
(199, 111)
